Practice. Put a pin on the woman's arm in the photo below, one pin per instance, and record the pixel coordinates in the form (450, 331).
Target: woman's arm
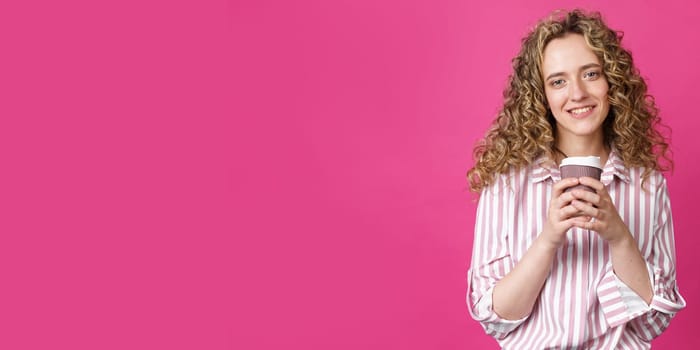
(659, 291)
(628, 263)
(516, 294)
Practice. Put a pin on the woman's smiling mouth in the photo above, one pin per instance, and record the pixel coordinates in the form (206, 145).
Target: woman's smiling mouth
(581, 112)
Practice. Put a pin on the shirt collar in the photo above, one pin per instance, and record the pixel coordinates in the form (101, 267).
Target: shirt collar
(543, 168)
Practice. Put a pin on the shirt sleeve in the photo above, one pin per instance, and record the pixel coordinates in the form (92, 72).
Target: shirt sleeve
(491, 260)
(621, 305)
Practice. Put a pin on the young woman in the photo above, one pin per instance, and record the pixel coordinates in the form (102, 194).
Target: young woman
(573, 269)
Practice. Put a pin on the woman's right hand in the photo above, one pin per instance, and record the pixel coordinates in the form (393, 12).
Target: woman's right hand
(561, 214)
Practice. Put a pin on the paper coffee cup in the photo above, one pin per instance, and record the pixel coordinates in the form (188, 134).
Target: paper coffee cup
(579, 167)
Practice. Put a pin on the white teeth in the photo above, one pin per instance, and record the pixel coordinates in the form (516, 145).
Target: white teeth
(581, 110)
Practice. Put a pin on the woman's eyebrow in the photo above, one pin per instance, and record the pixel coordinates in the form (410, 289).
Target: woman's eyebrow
(590, 65)
(584, 67)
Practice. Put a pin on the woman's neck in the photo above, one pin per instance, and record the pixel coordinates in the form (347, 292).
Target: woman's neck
(582, 148)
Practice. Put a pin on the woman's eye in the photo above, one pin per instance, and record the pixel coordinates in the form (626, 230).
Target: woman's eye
(592, 74)
(557, 83)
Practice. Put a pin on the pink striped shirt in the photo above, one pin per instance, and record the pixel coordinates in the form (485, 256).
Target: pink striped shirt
(582, 304)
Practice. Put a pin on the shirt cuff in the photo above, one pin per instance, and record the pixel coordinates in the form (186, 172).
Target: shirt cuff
(666, 297)
(492, 323)
(619, 302)
(635, 304)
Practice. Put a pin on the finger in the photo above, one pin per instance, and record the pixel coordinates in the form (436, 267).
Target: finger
(586, 208)
(587, 225)
(586, 196)
(568, 211)
(577, 221)
(562, 185)
(591, 182)
(563, 200)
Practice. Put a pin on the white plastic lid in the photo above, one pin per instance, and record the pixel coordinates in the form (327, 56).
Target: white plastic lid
(587, 161)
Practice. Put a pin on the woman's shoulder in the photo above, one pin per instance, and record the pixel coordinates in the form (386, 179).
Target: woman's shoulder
(509, 181)
(638, 172)
(635, 174)
(654, 179)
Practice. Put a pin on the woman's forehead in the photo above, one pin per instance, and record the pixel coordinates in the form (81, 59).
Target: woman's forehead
(568, 53)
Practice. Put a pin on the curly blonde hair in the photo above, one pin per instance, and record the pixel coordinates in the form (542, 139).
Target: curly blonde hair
(525, 127)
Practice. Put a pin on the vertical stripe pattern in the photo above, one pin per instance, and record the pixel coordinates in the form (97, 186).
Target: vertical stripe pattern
(582, 304)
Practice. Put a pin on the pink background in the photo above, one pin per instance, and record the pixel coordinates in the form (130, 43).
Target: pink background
(274, 174)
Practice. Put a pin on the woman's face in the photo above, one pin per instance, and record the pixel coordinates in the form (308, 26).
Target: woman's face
(575, 87)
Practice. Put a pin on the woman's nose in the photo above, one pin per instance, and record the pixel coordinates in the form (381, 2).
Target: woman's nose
(577, 90)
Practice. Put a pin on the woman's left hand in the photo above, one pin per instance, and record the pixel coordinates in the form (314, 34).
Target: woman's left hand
(605, 220)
